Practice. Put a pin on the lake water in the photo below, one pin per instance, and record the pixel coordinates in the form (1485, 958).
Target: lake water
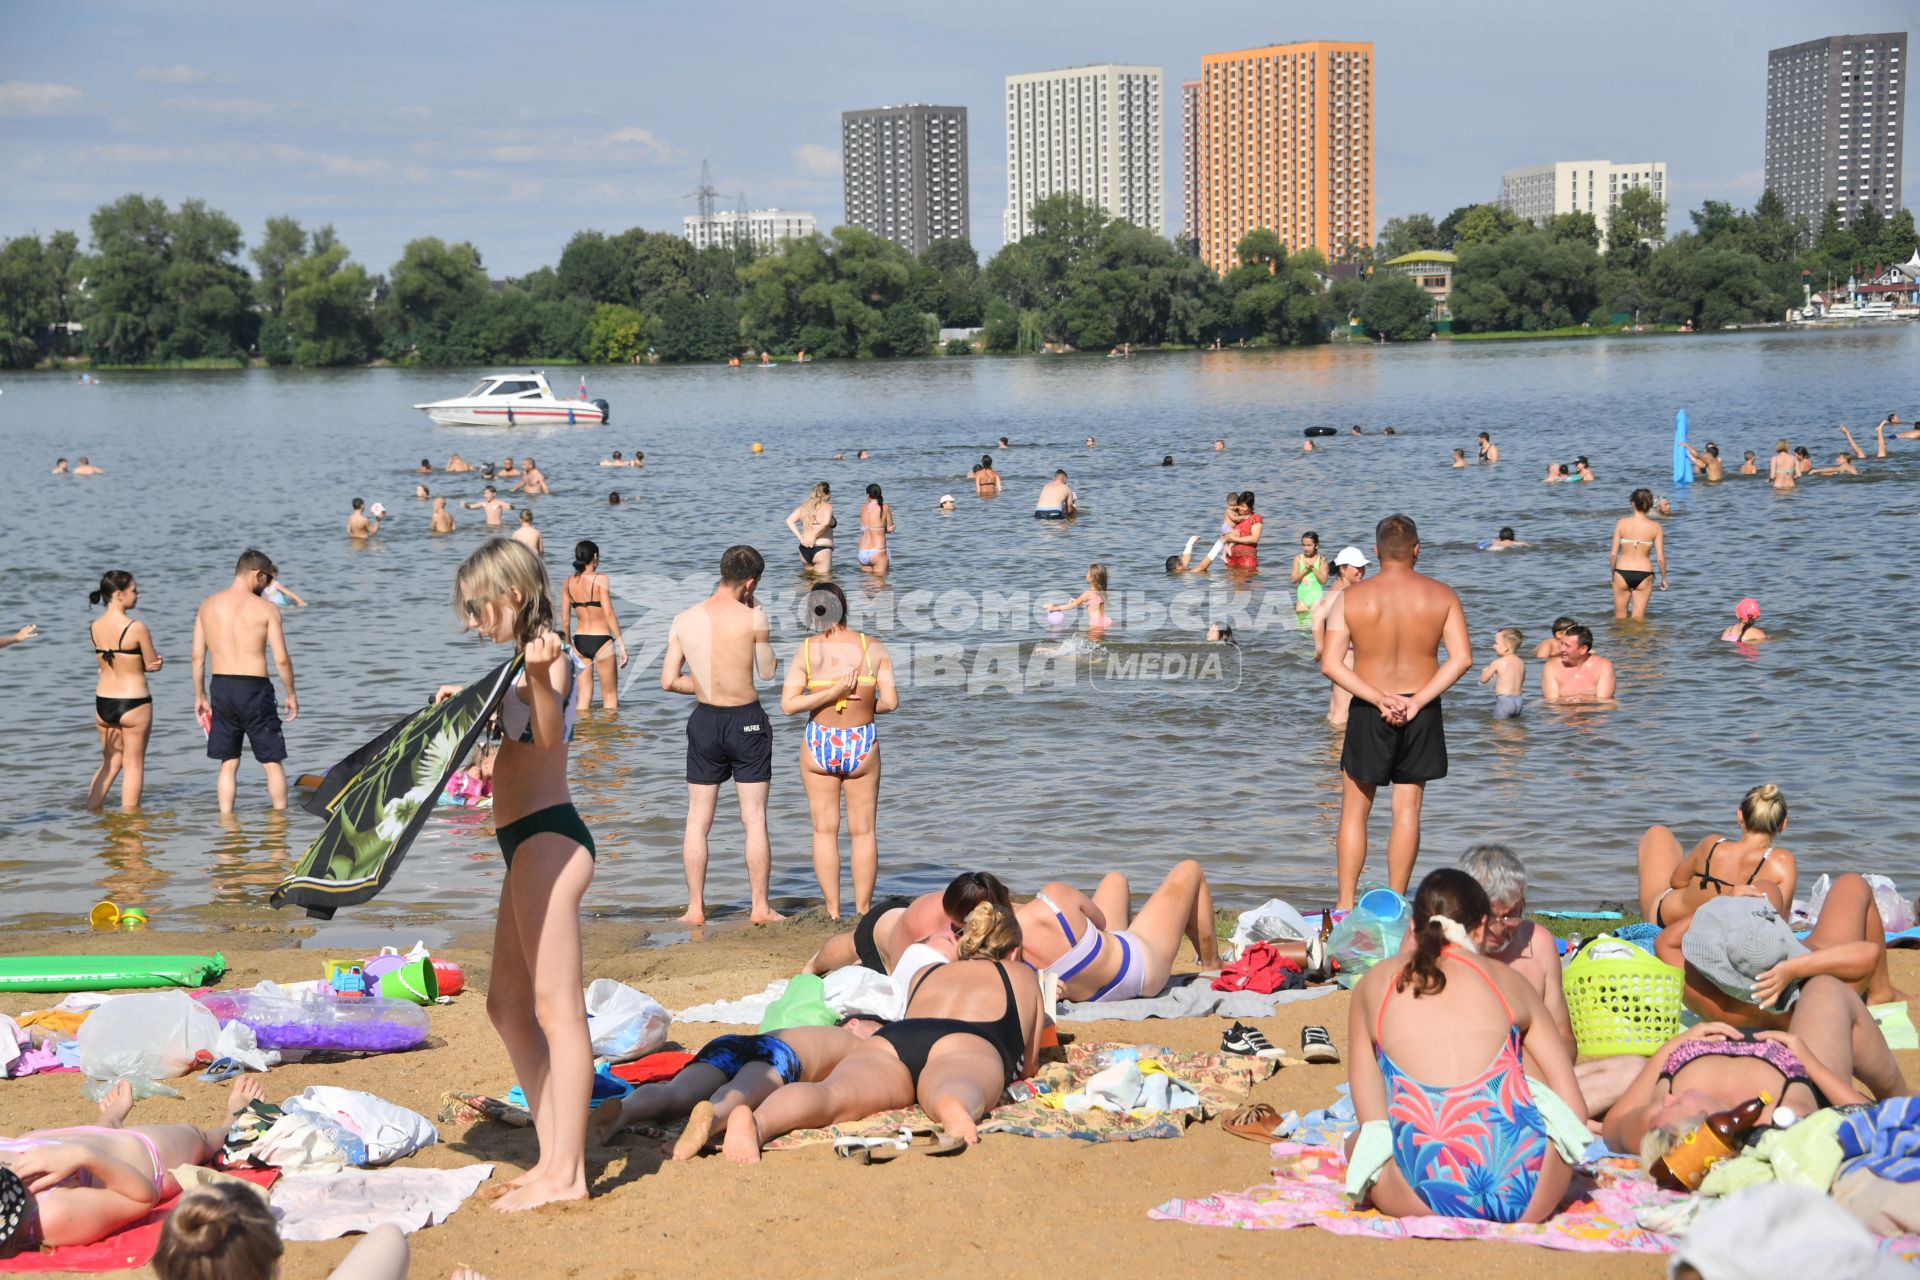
(1033, 769)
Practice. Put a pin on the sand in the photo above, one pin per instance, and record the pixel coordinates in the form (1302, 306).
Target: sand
(1010, 1204)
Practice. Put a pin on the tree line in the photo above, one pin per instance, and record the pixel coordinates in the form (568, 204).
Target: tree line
(160, 285)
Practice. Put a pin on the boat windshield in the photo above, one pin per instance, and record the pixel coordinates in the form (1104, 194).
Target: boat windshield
(478, 391)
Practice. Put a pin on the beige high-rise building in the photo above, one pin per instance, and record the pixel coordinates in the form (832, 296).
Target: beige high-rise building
(1543, 191)
(1286, 144)
(1095, 131)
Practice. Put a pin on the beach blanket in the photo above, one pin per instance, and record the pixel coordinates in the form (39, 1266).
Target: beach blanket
(1193, 999)
(377, 799)
(745, 1012)
(132, 1246)
(1308, 1190)
(321, 1206)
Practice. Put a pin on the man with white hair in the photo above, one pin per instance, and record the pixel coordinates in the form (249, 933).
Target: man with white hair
(1513, 939)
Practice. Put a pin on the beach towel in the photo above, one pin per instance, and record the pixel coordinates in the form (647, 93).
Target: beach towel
(740, 1013)
(377, 799)
(321, 1206)
(132, 1246)
(1308, 1190)
(664, 1065)
(1192, 999)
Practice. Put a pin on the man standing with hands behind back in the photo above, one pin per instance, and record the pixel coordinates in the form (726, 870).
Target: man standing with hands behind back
(235, 627)
(1397, 623)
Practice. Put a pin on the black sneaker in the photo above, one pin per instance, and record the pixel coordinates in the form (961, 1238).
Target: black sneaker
(1317, 1046)
(1247, 1042)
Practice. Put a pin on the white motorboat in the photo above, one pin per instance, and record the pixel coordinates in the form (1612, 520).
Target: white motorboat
(515, 400)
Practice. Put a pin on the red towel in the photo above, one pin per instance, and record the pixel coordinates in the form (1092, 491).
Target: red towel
(132, 1247)
(1260, 969)
(664, 1065)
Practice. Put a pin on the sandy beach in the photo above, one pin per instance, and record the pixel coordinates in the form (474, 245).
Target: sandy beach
(1011, 1202)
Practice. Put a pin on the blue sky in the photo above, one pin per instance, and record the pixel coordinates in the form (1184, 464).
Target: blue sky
(513, 125)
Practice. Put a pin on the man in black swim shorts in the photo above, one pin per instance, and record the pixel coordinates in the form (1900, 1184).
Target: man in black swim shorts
(714, 652)
(235, 628)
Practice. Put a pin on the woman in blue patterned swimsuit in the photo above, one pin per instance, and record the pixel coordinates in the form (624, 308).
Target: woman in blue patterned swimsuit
(1442, 1046)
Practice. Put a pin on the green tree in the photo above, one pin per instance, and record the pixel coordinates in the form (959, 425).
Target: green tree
(1525, 282)
(1636, 226)
(1713, 285)
(1769, 232)
(1401, 236)
(595, 268)
(166, 285)
(1396, 306)
(327, 311)
(435, 289)
(1578, 227)
(1275, 296)
(26, 300)
(614, 335)
(1485, 223)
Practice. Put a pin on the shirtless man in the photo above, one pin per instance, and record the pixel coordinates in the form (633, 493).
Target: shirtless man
(235, 626)
(442, 518)
(493, 504)
(1489, 451)
(458, 463)
(1057, 499)
(1891, 420)
(533, 481)
(60, 467)
(1349, 567)
(358, 525)
(1707, 464)
(714, 652)
(1513, 939)
(1577, 676)
(987, 481)
(85, 468)
(1396, 624)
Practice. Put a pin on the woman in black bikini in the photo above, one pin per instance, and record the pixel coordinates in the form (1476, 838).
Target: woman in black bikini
(122, 707)
(812, 524)
(588, 593)
(1639, 543)
(1673, 883)
(972, 1028)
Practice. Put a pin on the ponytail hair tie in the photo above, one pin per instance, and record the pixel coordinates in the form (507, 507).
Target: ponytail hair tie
(1455, 935)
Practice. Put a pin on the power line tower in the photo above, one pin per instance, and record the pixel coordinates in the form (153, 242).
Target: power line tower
(705, 194)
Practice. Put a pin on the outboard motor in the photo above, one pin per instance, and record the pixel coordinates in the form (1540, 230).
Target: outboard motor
(606, 414)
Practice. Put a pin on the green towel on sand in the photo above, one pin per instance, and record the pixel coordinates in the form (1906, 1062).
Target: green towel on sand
(1806, 1154)
(1895, 1024)
(803, 1004)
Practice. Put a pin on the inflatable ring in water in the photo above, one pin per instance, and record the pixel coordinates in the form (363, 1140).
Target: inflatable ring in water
(1314, 433)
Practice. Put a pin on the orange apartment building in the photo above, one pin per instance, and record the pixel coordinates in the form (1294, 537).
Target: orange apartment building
(1285, 140)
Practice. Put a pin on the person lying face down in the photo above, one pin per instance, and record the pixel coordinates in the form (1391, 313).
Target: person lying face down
(879, 937)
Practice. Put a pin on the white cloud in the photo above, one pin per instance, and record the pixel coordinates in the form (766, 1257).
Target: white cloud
(646, 139)
(170, 75)
(224, 108)
(24, 98)
(821, 162)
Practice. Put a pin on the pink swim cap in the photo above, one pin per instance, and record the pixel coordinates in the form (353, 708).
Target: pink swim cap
(1747, 610)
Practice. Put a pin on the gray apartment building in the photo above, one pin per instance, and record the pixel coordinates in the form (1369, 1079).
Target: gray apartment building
(905, 173)
(1834, 108)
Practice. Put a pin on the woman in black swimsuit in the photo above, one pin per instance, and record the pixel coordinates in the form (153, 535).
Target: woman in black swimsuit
(972, 1028)
(586, 619)
(1639, 546)
(1673, 883)
(122, 707)
(812, 524)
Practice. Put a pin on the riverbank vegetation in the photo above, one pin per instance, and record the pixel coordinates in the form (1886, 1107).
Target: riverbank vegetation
(170, 287)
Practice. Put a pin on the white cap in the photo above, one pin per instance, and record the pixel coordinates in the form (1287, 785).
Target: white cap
(945, 498)
(1353, 556)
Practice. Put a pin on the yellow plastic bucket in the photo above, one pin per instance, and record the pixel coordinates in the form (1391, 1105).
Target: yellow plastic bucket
(105, 915)
(1624, 1004)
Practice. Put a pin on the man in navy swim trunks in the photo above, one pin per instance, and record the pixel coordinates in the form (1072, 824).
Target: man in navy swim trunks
(235, 627)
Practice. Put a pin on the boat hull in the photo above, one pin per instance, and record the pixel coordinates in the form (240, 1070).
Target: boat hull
(566, 413)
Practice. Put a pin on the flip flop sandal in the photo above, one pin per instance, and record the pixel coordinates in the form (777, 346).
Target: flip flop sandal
(1255, 1123)
(937, 1144)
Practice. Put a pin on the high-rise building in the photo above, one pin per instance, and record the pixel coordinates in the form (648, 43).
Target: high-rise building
(1094, 131)
(1286, 144)
(1192, 107)
(763, 228)
(1542, 191)
(905, 173)
(1833, 123)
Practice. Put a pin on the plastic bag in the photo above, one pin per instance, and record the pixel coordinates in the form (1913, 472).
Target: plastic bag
(1896, 913)
(154, 1035)
(624, 1023)
(1363, 940)
(380, 1131)
(1273, 920)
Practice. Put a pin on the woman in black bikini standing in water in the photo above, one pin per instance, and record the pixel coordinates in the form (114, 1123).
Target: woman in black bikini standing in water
(586, 618)
(122, 707)
(812, 524)
(1639, 544)
(1674, 883)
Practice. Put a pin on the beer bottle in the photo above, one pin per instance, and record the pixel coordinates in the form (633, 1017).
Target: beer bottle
(1718, 1137)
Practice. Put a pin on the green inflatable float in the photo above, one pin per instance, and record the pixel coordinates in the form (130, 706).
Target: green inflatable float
(108, 973)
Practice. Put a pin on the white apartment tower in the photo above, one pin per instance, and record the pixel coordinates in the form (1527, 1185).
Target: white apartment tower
(1095, 131)
(1192, 119)
(1543, 191)
(1834, 108)
(762, 228)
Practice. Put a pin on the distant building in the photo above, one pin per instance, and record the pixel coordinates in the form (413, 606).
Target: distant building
(1833, 123)
(1192, 115)
(1094, 131)
(904, 170)
(1544, 191)
(1432, 270)
(762, 228)
(1286, 144)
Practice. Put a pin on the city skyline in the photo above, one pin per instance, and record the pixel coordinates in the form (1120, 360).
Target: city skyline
(378, 121)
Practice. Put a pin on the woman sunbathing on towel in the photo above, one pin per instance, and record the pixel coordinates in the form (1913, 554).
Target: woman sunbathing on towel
(882, 934)
(972, 1028)
(85, 1183)
(1099, 951)
(1448, 1049)
(1675, 881)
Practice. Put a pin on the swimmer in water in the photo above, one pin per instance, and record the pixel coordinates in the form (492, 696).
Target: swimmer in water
(457, 463)
(1551, 645)
(60, 467)
(1310, 573)
(1349, 567)
(615, 461)
(1508, 673)
(1802, 461)
(21, 636)
(1743, 630)
(1459, 457)
(1556, 473)
(1578, 674)
(1220, 633)
(122, 703)
(1095, 600)
(528, 536)
(1219, 446)
(987, 481)
(1881, 435)
(1489, 451)
(279, 593)
(1639, 546)
(1004, 443)
(85, 468)
(945, 503)
(1306, 446)
(1504, 542)
(1842, 466)
(442, 518)
(533, 481)
(1584, 473)
(1782, 469)
(1089, 442)
(358, 525)
(1356, 430)
(421, 492)
(812, 524)
(424, 469)
(507, 470)
(588, 622)
(613, 499)
(493, 504)
(1706, 464)
(1057, 499)
(1748, 466)
(1167, 461)
(876, 522)
(639, 459)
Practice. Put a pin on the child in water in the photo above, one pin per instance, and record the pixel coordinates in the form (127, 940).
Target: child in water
(1508, 673)
(1094, 598)
(1743, 631)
